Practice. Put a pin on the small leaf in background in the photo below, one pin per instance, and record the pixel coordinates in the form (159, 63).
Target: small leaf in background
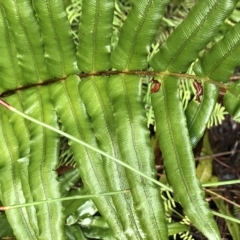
(97, 228)
(176, 228)
(74, 232)
(78, 208)
(217, 116)
(204, 168)
(87, 209)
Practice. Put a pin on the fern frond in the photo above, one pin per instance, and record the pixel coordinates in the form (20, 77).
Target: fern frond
(95, 32)
(68, 180)
(130, 119)
(180, 49)
(225, 54)
(105, 131)
(37, 159)
(66, 157)
(178, 156)
(21, 129)
(11, 75)
(140, 33)
(30, 55)
(76, 122)
(185, 91)
(44, 49)
(198, 114)
(11, 183)
(74, 11)
(59, 48)
(217, 115)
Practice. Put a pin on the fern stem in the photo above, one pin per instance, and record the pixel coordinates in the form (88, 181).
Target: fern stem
(61, 199)
(185, 76)
(226, 217)
(216, 184)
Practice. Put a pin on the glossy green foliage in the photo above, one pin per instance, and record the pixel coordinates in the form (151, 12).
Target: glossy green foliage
(106, 110)
(224, 54)
(129, 113)
(178, 157)
(10, 70)
(44, 151)
(95, 31)
(139, 29)
(73, 115)
(20, 129)
(98, 230)
(192, 35)
(104, 128)
(11, 192)
(78, 209)
(26, 33)
(34, 157)
(219, 63)
(176, 55)
(198, 114)
(59, 49)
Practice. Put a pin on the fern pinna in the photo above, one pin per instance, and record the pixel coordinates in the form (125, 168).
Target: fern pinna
(93, 92)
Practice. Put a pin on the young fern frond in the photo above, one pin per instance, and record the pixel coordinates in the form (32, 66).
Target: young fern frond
(66, 157)
(217, 115)
(73, 13)
(185, 91)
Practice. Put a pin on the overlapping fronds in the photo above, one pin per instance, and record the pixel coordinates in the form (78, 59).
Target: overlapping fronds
(83, 74)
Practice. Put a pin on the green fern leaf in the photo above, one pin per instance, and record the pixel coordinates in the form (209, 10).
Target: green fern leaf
(139, 29)
(107, 112)
(10, 179)
(95, 32)
(75, 121)
(191, 36)
(21, 129)
(219, 63)
(178, 157)
(198, 114)
(130, 120)
(59, 47)
(25, 29)
(10, 76)
(104, 127)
